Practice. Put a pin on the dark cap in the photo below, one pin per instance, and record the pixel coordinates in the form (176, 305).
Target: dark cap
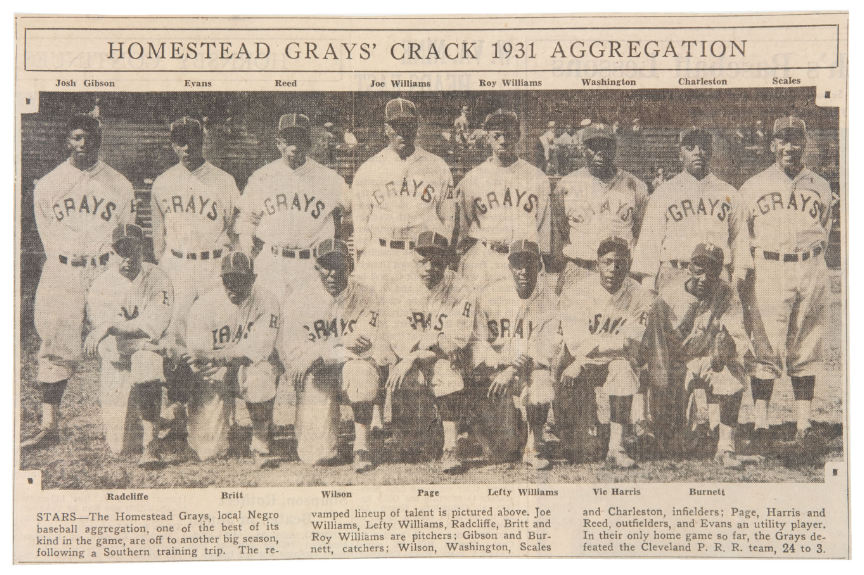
(790, 123)
(400, 109)
(294, 122)
(328, 249)
(694, 135)
(523, 247)
(501, 119)
(185, 129)
(613, 244)
(709, 253)
(127, 232)
(84, 122)
(432, 242)
(597, 132)
(237, 263)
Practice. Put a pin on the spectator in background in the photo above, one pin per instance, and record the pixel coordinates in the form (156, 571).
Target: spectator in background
(460, 128)
(636, 127)
(547, 142)
(566, 145)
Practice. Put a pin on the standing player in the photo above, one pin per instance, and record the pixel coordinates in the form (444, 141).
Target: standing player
(788, 211)
(594, 203)
(289, 206)
(329, 332)
(129, 307)
(426, 333)
(517, 337)
(693, 207)
(76, 207)
(230, 336)
(604, 321)
(397, 193)
(503, 199)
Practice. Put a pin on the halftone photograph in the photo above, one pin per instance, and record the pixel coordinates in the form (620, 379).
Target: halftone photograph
(267, 289)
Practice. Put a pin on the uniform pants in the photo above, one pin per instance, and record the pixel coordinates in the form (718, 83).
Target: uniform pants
(481, 266)
(382, 268)
(283, 275)
(190, 279)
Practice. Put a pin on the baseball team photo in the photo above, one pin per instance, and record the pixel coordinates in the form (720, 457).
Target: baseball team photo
(242, 289)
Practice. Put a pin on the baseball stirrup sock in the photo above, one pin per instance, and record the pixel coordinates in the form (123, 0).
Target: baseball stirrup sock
(149, 399)
(726, 441)
(450, 406)
(52, 392)
(802, 387)
(362, 412)
(619, 408)
(761, 388)
(729, 407)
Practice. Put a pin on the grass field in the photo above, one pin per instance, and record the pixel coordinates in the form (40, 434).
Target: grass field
(83, 461)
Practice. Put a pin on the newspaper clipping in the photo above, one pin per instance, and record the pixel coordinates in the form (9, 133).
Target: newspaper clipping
(547, 286)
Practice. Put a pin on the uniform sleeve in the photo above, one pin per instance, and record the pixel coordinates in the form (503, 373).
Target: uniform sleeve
(247, 220)
(157, 311)
(826, 217)
(574, 312)
(641, 205)
(232, 211)
(738, 232)
(544, 216)
(44, 217)
(447, 202)
(298, 347)
(342, 213)
(646, 255)
(481, 339)
(743, 256)
(125, 213)
(361, 209)
(465, 211)
(100, 310)
(157, 221)
(261, 341)
(459, 325)
(546, 342)
(558, 222)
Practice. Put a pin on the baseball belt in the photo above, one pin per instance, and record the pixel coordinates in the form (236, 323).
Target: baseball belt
(83, 261)
(496, 246)
(800, 256)
(396, 244)
(215, 254)
(291, 253)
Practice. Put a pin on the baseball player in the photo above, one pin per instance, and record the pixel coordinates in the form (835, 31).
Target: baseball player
(788, 210)
(76, 206)
(289, 206)
(604, 320)
(397, 193)
(426, 332)
(516, 338)
(709, 339)
(129, 307)
(594, 203)
(503, 199)
(231, 336)
(329, 332)
(693, 207)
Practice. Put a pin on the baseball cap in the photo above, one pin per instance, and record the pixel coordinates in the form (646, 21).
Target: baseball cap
(400, 109)
(613, 244)
(237, 263)
(185, 128)
(709, 253)
(432, 243)
(597, 132)
(124, 234)
(294, 124)
(694, 134)
(789, 123)
(330, 249)
(523, 247)
(501, 119)
(84, 122)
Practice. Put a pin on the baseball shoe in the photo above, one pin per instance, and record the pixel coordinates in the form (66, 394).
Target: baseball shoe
(619, 459)
(46, 437)
(450, 464)
(150, 458)
(807, 448)
(728, 460)
(549, 435)
(532, 459)
(761, 441)
(363, 461)
(264, 460)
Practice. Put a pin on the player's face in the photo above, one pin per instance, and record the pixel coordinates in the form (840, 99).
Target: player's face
(189, 150)
(788, 148)
(525, 268)
(430, 268)
(83, 147)
(613, 268)
(333, 274)
(401, 134)
(600, 156)
(293, 150)
(703, 278)
(503, 142)
(131, 254)
(238, 287)
(695, 156)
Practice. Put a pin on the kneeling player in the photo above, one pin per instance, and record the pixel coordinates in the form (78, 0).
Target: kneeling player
(130, 308)
(518, 334)
(231, 333)
(603, 323)
(427, 330)
(708, 323)
(328, 337)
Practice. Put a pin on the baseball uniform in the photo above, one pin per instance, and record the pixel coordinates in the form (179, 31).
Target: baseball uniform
(315, 321)
(192, 216)
(501, 204)
(249, 331)
(144, 303)
(682, 213)
(76, 212)
(392, 201)
(290, 211)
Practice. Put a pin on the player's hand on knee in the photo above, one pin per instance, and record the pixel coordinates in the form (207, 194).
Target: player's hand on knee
(360, 345)
(91, 344)
(501, 383)
(398, 373)
(522, 361)
(572, 373)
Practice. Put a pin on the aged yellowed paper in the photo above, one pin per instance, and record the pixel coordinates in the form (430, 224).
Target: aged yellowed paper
(486, 286)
